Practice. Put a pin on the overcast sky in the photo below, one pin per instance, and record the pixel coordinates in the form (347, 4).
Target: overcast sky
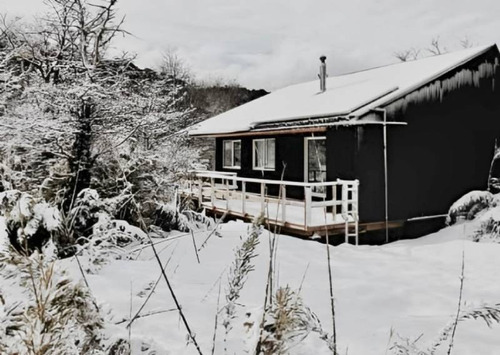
(273, 43)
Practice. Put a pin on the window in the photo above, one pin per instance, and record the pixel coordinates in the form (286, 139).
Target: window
(232, 154)
(315, 163)
(264, 154)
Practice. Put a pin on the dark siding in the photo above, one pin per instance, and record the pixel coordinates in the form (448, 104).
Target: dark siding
(444, 152)
(289, 162)
(356, 153)
(341, 146)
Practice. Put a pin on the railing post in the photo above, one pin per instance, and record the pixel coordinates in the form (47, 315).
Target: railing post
(283, 203)
(199, 181)
(334, 198)
(262, 197)
(227, 194)
(307, 206)
(243, 197)
(212, 192)
(356, 209)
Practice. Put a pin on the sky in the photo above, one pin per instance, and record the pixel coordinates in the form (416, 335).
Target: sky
(274, 43)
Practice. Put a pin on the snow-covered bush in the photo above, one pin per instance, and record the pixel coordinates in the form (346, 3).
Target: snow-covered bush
(168, 218)
(469, 205)
(5, 177)
(106, 243)
(489, 228)
(30, 222)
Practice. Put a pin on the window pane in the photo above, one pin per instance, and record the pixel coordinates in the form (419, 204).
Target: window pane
(316, 160)
(237, 153)
(259, 154)
(271, 148)
(227, 153)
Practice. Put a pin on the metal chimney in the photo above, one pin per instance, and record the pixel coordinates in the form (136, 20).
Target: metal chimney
(322, 74)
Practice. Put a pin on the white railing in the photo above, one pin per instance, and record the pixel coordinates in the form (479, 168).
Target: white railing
(227, 192)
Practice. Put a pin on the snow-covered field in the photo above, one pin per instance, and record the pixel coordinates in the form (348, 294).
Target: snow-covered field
(411, 287)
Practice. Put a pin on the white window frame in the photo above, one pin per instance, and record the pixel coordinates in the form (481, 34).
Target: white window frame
(232, 166)
(254, 157)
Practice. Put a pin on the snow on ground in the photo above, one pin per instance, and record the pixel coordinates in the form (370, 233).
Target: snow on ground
(410, 286)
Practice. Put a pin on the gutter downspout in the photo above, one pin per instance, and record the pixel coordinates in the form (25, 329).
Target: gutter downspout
(386, 186)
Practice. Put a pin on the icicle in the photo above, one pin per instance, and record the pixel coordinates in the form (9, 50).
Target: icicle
(438, 89)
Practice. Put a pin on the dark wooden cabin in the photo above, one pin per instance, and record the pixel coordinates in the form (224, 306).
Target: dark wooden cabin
(440, 117)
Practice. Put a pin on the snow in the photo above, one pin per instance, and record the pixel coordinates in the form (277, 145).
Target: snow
(410, 286)
(470, 204)
(469, 199)
(345, 94)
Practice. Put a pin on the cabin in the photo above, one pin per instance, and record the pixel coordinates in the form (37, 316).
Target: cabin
(372, 150)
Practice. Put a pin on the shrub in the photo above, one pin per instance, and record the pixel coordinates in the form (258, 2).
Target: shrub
(30, 222)
(488, 230)
(470, 205)
(168, 218)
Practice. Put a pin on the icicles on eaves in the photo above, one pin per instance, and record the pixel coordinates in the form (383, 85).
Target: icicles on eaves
(495, 66)
(437, 90)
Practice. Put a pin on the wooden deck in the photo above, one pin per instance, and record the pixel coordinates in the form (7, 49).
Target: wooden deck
(225, 193)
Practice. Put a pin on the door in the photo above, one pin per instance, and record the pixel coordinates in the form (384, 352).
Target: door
(315, 162)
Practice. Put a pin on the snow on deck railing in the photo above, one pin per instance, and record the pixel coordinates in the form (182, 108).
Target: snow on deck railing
(323, 204)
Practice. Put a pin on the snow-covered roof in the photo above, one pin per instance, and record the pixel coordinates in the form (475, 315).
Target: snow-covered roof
(345, 95)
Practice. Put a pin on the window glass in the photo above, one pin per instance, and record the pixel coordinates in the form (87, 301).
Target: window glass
(264, 153)
(232, 154)
(270, 153)
(228, 153)
(316, 160)
(237, 153)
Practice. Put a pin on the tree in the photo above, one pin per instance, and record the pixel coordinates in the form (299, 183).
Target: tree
(408, 54)
(435, 48)
(175, 67)
(76, 119)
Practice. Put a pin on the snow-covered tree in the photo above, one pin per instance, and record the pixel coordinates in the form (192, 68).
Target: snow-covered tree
(74, 118)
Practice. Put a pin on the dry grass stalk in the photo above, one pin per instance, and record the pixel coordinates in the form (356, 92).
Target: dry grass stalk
(455, 323)
(58, 317)
(216, 321)
(288, 322)
(273, 247)
(238, 273)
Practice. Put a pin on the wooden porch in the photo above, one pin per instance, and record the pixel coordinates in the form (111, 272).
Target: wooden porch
(327, 207)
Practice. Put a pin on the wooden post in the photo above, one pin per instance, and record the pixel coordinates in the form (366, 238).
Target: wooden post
(262, 197)
(334, 198)
(200, 192)
(227, 194)
(307, 206)
(356, 209)
(243, 197)
(283, 203)
(345, 214)
(212, 192)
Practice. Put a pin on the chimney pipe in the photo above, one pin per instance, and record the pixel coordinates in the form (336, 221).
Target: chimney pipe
(322, 74)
